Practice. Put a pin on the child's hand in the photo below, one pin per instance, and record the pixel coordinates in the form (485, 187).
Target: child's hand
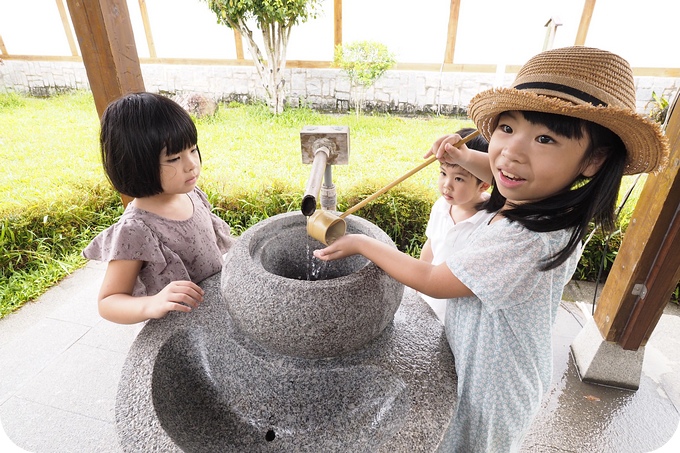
(345, 246)
(180, 295)
(445, 151)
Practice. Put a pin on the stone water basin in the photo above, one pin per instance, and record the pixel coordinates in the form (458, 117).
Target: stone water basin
(199, 382)
(289, 302)
(236, 403)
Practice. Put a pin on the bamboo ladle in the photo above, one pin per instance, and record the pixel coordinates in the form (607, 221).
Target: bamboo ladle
(327, 227)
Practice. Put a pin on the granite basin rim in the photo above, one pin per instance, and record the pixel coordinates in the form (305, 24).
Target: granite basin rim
(306, 318)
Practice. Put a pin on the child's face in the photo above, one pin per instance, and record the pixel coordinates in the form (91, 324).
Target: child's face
(530, 162)
(458, 186)
(180, 172)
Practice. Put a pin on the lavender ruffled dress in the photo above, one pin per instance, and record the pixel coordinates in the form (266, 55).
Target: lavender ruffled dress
(171, 250)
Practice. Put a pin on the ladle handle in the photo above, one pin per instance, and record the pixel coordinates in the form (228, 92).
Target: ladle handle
(372, 197)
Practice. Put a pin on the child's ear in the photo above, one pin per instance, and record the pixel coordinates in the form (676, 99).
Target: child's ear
(484, 186)
(595, 163)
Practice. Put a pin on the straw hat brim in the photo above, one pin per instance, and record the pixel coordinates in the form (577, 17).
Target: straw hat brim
(646, 145)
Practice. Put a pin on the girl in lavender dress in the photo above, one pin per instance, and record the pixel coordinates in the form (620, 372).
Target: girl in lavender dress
(560, 140)
(167, 240)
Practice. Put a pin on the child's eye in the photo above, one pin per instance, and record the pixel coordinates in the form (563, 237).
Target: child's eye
(459, 179)
(173, 159)
(505, 128)
(545, 139)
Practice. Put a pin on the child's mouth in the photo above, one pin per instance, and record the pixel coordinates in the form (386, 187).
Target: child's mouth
(510, 176)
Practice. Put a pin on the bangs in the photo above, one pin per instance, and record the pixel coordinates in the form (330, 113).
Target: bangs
(566, 126)
(179, 134)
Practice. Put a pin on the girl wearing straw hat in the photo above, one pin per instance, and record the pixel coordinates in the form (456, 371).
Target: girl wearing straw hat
(560, 140)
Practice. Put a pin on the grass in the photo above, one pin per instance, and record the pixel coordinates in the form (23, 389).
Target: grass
(54, 196)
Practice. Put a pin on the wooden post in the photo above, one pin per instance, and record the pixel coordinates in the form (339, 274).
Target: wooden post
(67, 28)
(647, 267)
(147, 28)
(108, 49)
(238, 42)
(337, 24)
(583, 26)
(452, 31)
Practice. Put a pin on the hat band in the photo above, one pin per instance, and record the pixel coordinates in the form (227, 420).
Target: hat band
(573, 92)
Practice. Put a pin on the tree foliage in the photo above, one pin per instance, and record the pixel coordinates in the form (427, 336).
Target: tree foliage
(364, 62)
(275, 19)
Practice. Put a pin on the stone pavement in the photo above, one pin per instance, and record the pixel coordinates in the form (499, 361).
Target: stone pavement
(60, 365)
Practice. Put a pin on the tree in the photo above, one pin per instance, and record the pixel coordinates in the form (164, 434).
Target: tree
(275, 18)
(364, 62)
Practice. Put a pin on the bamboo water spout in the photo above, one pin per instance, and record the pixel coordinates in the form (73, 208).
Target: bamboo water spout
(322, 146)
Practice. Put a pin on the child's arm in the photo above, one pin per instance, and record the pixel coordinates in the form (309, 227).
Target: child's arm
(476, 162)
(426, 252)
(434, 281)
(117, 304)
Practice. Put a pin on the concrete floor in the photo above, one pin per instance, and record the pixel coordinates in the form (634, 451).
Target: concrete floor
(60, 364)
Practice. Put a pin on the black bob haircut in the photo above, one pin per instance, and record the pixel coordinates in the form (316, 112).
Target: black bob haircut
(135, 129)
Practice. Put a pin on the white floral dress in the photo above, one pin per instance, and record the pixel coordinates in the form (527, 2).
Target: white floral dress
(501, 338)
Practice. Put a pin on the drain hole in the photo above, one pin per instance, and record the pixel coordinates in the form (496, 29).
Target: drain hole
(271, 435)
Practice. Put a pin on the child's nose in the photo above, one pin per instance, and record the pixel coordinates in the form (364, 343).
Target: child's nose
(192, 162)
(512, 150)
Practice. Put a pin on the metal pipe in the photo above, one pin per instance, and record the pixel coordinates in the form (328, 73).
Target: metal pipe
(328, 194)
(314, 184)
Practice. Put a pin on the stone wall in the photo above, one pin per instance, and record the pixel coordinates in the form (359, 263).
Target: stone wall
(403, 92)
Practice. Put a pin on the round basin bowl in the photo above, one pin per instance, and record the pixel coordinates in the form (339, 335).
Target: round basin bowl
(289, 302)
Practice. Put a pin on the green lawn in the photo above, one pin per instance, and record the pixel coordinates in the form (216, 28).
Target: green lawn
(54, 196)
(49, 148)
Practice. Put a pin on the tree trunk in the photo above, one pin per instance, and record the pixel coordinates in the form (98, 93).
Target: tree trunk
(271, 69)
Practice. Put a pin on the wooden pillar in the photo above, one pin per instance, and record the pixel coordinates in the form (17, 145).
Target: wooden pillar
(452, 31)
(337, 23)
(584, 25)
(238, 42)
(67, 27)
(147, 28)
(647, 267)
(108, 49)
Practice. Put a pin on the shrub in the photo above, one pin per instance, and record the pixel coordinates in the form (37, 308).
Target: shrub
(42, 244)
(364, 62)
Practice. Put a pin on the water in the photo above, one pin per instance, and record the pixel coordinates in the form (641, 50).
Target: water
(315, 267)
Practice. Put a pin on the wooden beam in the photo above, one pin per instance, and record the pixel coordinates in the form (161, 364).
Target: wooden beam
(107, 45)
(67, 27)
(647, 266)
(584, 25)
(108, 48)
(452, 31)
(337, 23)
(147, 28)
(238, 41)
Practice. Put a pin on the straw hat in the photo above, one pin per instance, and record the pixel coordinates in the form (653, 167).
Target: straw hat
(581, 82)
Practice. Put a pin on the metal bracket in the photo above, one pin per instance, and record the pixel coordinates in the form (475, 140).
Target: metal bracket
(639, 289)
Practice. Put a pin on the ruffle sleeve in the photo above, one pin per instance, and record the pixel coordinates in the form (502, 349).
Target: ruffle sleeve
(222, 231)
(128, 239)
